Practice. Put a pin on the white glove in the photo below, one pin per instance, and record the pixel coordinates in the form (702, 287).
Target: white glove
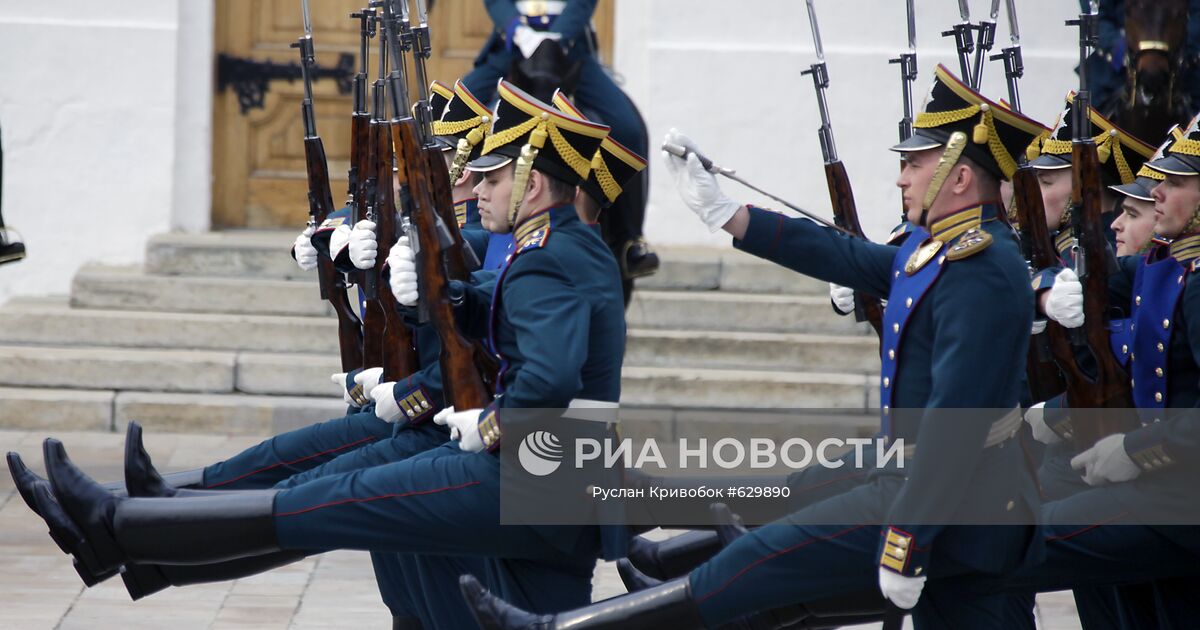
(1065, 302)
(306, 254)
(1106, 461)
(1036, 417)
(464, 427)
(363, 246)
(339, 379)
(843, 298)
(527, 39)
(1039, 327)
(403, 273)
(901, 590)
(697, 187)
(386, 407)
(369, 378)
(339, 240)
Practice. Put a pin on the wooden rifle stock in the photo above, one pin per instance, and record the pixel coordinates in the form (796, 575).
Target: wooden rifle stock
(399, 355)
(1041, 366)
(464, 387)
(845, 215)
(333, 287)
(1110, 388)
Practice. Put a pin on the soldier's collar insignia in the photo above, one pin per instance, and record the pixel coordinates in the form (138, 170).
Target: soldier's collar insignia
(532, 232)
(1186, 249)
(923, 255)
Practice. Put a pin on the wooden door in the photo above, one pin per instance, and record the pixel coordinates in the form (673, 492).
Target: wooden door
(258, 156)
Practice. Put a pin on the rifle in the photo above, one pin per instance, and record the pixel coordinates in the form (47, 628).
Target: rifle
(360, 122)
(1110, 388)
(961, 33)
(845, 213)
(320, 204)
(421, 168)
(398, 357)
(908, 75)
(1014, 65)
(987, 37)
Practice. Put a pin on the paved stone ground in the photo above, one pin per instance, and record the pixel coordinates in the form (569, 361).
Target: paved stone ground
(39, 590)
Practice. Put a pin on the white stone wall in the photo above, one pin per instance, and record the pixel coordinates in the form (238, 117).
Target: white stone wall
(105, 108)
(728, 74)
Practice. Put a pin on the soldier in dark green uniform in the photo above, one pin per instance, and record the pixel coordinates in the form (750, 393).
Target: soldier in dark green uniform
(957, 291)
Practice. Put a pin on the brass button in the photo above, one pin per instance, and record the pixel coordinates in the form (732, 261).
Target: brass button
(1124, 348)
(885, 410)
(896, 327)
(897, 274)
(1157, 396)
(891, 353)
(886, 381)
(1161, 348)
(1137, 300)
(1010, 506)
(1159, 372)
(1166, 324)
(908, 303)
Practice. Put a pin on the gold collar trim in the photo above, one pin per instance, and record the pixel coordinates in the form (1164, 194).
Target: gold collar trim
(948, 228)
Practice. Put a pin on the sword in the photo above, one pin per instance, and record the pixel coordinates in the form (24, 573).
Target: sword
(683, 152)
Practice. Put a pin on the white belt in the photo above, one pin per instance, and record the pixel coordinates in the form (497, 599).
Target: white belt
(595, 410)
(536, 8)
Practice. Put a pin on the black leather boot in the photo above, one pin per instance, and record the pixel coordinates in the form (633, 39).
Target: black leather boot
(638, 260)
(11, 247)
(633, 579)
(673, 557)
(65, 533)
(118, 530)
(143, 480)
(668, 605)
(142, 580)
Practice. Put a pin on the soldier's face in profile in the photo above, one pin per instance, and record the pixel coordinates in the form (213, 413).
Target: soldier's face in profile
(1134, 226)
(494, 192)
(1055, 185)
(914, 179)
(1176, 200)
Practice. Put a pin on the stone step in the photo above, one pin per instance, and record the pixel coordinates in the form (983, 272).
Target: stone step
(746, 389)
(734, 311)
(129, 288)
(126, 288)
(51, 322)
(752, 350)
(107, 410)
(117, 368)
(265, 254)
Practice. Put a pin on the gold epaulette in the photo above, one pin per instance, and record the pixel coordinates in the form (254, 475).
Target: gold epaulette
(970, 243)
(532, 233)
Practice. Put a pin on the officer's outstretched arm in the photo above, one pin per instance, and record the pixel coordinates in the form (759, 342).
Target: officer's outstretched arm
(813, 250)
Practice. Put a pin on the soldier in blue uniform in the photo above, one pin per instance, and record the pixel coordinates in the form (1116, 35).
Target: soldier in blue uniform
(556, 319)
(959, 273)
(1137, 521)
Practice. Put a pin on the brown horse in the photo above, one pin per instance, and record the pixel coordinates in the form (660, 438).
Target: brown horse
(1155, 35)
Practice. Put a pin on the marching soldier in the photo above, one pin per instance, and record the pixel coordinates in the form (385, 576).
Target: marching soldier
(561, 285)
(1136, 521)
(960, 273)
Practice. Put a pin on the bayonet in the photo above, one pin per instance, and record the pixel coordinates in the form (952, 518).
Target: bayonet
(987, 37)
(908, 72)
(961, 33)
(1014, 65)
(820, 75)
